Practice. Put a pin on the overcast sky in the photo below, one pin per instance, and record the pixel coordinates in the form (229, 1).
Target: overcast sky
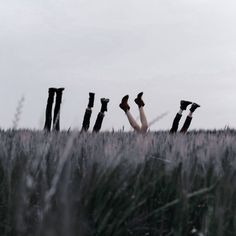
(168, 49)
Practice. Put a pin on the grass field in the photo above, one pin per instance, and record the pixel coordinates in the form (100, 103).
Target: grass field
(117, 184)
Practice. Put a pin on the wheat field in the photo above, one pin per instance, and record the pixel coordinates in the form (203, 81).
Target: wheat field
(117, 184)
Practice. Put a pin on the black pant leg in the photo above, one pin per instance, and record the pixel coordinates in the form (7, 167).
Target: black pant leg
(86, 120)
(48, 118)
(186, 124)
(175, 124)
(56, 116)
(98, 123)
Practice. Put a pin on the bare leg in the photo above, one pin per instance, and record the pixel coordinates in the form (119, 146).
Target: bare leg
(133, 122)
(141, 104)
(126, 108)
(143, 119)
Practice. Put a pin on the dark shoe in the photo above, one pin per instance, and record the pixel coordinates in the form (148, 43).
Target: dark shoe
(91, 100)
(139, 100)
(104, 102)
(60, 90)
(184, 104)
(52, 90)
(194, 107)
(124, 103)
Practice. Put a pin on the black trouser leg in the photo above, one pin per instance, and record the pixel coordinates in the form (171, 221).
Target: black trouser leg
(98, 123)
(56, 116)
(186, 124)
(175, 124)
(86, 121)
(48, 118)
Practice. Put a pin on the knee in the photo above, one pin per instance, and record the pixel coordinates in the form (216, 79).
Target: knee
(137, 128)
(144, 128)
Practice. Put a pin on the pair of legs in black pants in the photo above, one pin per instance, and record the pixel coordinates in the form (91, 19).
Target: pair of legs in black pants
(183, 106)
(56, 116)
(88, 113)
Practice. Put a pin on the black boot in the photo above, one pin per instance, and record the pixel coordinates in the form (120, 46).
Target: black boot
(184, 104)
(139, 100)
(48, 119)
(91, 100)
(194, 107)
(60, 90)
(104, 102)
(124, 103)
(56, 116)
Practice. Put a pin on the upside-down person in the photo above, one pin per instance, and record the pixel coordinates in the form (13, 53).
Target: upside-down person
(56, 116)
(186, 125)
(126, 108)
(88, 113)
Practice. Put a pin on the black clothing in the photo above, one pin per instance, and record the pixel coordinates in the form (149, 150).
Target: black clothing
(186, 124)
(86, 120)
(175, 124)
(56, 116)
(176, 121)
(48, 119)
(98, 123)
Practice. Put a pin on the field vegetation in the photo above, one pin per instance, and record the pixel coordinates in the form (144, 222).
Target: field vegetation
(117, 184)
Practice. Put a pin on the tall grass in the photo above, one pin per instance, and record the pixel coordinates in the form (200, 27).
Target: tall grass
(117, 184)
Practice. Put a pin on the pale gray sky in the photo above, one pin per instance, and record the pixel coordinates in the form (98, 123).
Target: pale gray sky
(169, 49)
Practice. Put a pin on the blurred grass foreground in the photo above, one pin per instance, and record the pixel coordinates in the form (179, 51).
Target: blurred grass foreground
(117, 184)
